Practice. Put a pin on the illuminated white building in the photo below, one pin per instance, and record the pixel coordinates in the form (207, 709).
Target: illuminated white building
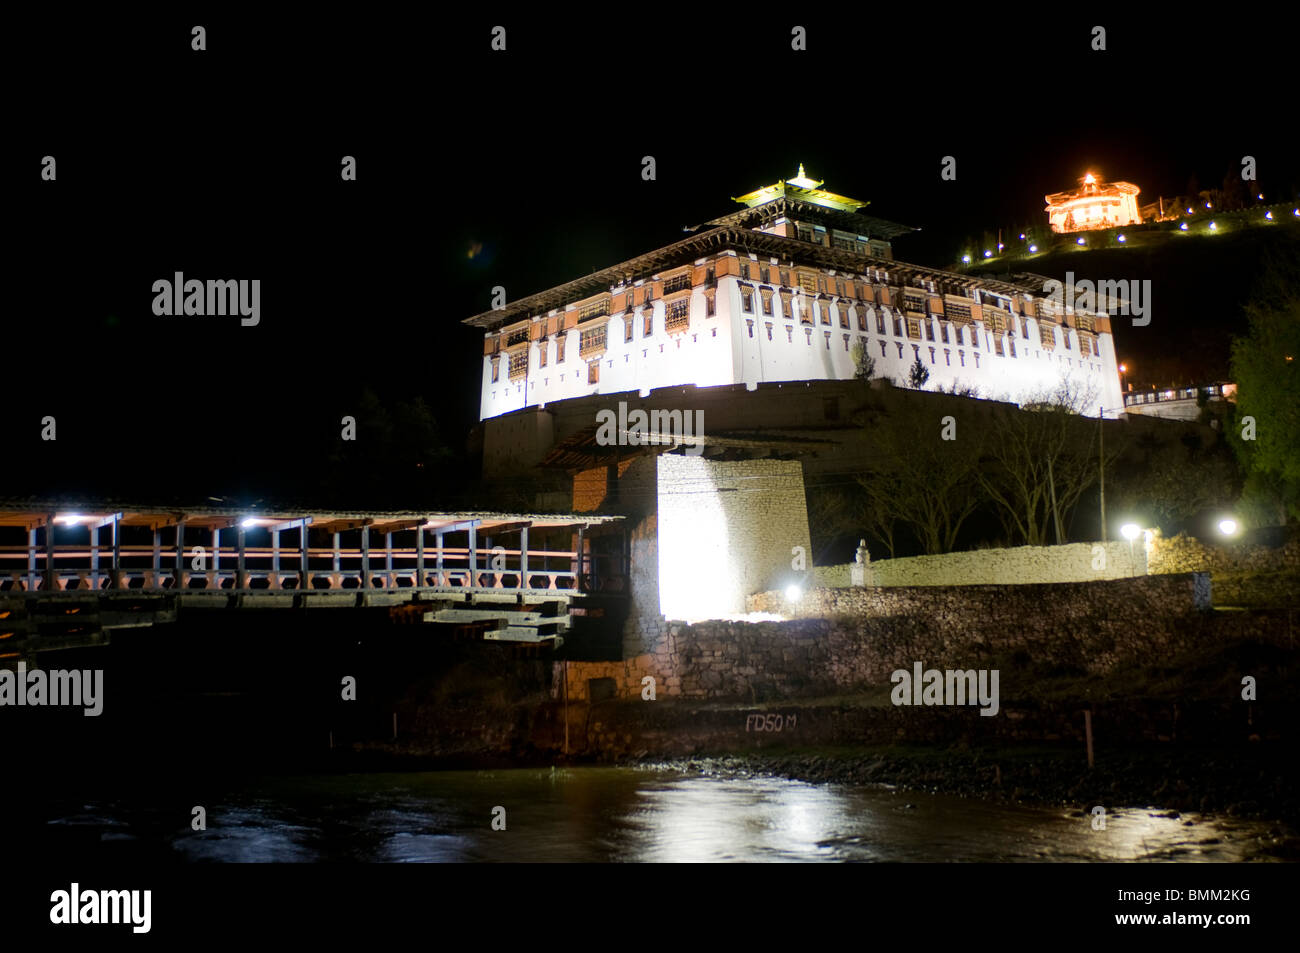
(789, 288)
(1093, 205)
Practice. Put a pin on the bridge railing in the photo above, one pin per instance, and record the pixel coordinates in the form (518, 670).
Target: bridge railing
(28, 569)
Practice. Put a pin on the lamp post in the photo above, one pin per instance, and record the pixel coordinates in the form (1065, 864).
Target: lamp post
(1131, 531)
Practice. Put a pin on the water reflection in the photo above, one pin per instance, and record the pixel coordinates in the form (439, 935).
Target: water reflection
(623, 814)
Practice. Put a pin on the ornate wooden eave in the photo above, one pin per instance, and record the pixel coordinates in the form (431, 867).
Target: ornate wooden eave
(722, 238)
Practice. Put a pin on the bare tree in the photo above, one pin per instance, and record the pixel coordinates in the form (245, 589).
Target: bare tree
(1040, 459)
(925, 476)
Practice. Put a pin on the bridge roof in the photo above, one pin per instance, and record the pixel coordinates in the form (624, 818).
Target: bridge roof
(33, 513)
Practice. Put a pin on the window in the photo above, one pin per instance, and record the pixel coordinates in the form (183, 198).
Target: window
(648, 323)
(862, 320)
(518, 365)
(677, 316)
(751, 327)
(747, 300)
(595, 309)
(960, 336)
(846, 341)
(808, 282)
(591, 341)
(593, 372)
(543, 349)
(496, 369)
(677, 283)
(997, 345)
(900, 349)
(882, 348)
(913, 328)
(559, 348)
(768, 325)
(785, 278)
(828, 339)
(1065, 336)
(744, 268)
(1047, 335)
(805, 313)
(958, 312)
(914, 303)
(766, 295)
(1011, 345)
(823, 311)
(805, 233)
(844, 314)
(709, 275)
(764, 275)
(710, 306)
(929, 330)
(977, 358)
(947, 357)
(839, 288)
(898, 327)
(931, 355)
(627, 329)
(807, 333)
(844, 244)
(880, 322)
(961, 356)
(943, 332)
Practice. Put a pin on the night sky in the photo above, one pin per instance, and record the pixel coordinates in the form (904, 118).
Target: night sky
(520, 169)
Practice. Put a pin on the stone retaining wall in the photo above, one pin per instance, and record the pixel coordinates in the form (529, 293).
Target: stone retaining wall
(852, 639)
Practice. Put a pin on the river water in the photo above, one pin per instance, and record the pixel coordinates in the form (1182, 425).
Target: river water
(601, 814)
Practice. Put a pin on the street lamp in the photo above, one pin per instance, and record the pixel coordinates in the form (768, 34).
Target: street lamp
(1131, 531)
(1228, 526)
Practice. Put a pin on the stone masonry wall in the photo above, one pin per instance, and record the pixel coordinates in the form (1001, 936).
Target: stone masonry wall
(1073, 562)
(849, 639)
(726, 529)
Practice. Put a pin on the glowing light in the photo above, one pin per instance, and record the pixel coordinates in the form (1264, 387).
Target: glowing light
(1080, 242)
(1121, 238)
(1260, 196)
(1000, 246)
(1269, 216)
(1207, 204)
(1022, 236)
(966, 259)
(1033, 248)
(1189, 211)
(70, 519)
(1214, 227)
(793, 593)
(1088, 179)
(1123, 368)
(1228, 527)
(1296, 212)
(1130, 531)
(1183, 227)
(251, 521)
(988, 254)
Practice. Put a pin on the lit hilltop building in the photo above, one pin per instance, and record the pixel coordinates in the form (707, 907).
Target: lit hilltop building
(789, 288)
(1094, 205)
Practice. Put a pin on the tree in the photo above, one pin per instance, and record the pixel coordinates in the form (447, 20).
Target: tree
(918, 374)
(1266, 367)
(1040, 459)
(923, 475)
(864, 365)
